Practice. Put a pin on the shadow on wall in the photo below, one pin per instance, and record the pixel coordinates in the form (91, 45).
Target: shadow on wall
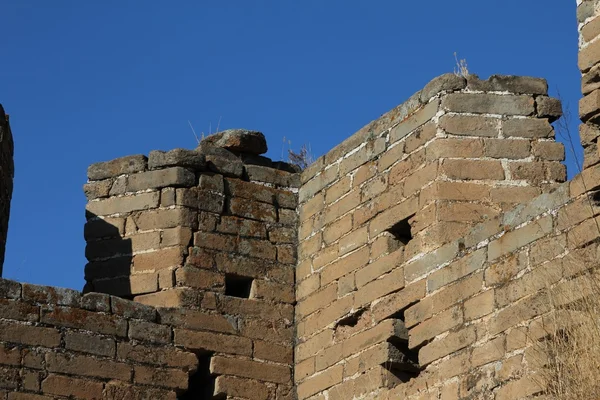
(109, 257)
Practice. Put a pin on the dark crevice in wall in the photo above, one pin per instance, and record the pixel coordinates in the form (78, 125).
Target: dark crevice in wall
(201, 385)
(238, 286)
(404, 365)
(401, 232)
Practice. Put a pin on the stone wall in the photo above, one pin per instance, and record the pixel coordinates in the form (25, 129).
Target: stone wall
(6, 179)
(384, 216)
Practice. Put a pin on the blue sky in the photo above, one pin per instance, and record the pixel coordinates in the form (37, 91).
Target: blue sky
(89, 81)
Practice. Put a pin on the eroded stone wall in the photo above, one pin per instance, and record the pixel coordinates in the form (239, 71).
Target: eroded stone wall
(6, 179)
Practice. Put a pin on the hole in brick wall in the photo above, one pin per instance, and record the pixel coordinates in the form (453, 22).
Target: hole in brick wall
(401, 231)
(201, 385)
(406, 366)
(238, 286)
(350, 320)
(595, 197)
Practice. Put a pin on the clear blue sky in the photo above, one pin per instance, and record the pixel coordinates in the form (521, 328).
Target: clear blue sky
(89, 81)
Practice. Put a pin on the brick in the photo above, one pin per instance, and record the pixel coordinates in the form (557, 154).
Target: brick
(272, 352)
(378, 268)
(491, 351)
(342, 206)
(455, 148)
(98, 189)
(87, 343)
(465, 191)
(335, 191)
(353, 240)
(176, 158)
(472, 169)
(392, 215)
(470, 125)
(18, 310)
(315, 301)
(149, 332)
(421, 136)
(430, 261)
(212, 342)
(167, 378)
(271, 175)
(453, 342)
(174, 177)
(374, 187)
(523, 310)
(115, 390)
(87, 366)
(432, 327)
(68, 386)
(161, 356)
(10, 355)
(29, 335)
(250, 369)
(456, 270)
(549, 151)
(164, 219)
(465, 212)
(243, 227)
(506, 148)
(378, 288)
(351, 262)
(158, 260)
(337, 229)
(200, 200)
(82, 319)
(514, 194)
(10, 289)
(520, 237)
(548, 107)
(313, 206)
(119, 166)
(421, 177)
(589, 56)
(130, 309)
(414, 121)
(405, 167)
(320, 382)
(199, 278)
(240, 387)
(114, 205)
(326, 316)
(527, 128)
(253, 210)
(480, 103)
(392, 303)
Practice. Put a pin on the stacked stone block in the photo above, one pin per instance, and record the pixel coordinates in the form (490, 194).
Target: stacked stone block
(6, 179)
(392, 205)
(210, 233)
(58, 344)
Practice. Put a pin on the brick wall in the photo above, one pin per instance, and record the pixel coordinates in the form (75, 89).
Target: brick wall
(6, 179)
(388, 229)
(211, 233)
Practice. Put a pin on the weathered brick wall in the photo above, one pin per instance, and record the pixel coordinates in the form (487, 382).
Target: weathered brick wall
(6, 179)
(385, 225)
(57, 343)
(212, 232)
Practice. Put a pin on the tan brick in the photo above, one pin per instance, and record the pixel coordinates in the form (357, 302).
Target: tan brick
(341, 207)
(326, 316)
(175, 176)
(342, 266)
(114, 205)
(374, 187)
(271, 291)
(168, 378)
(87, 366)
(316, 300)
(421, 136)
(514, 194)
(250, 369)
(161, 356)
(455, 148)
(470, 125)
(480, 305)
(163, 219)
(378, 268)
(387, 159)
(68, 386)
(430, 261)
(518, 389)
(549, 151)
(472, 169)
(30, 335)
(414, 121)
(307, 286)
(491, 351)
(451, 343)
(337, 229)
(527, 128)
(312, 206)
(253, 210)
(458, 269)
(465, 212)
(432, 327)
(484, 103)
(511, 241)
(158, 260)
(310, 246)
(591, 29)
(240, 387)
(523, 310)
(506, 148)
(273, 352)
(337, 190)
(402, 169)
(214, 342)
(320, 382)
(589, 56)
(380, 287)
(353, 240)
